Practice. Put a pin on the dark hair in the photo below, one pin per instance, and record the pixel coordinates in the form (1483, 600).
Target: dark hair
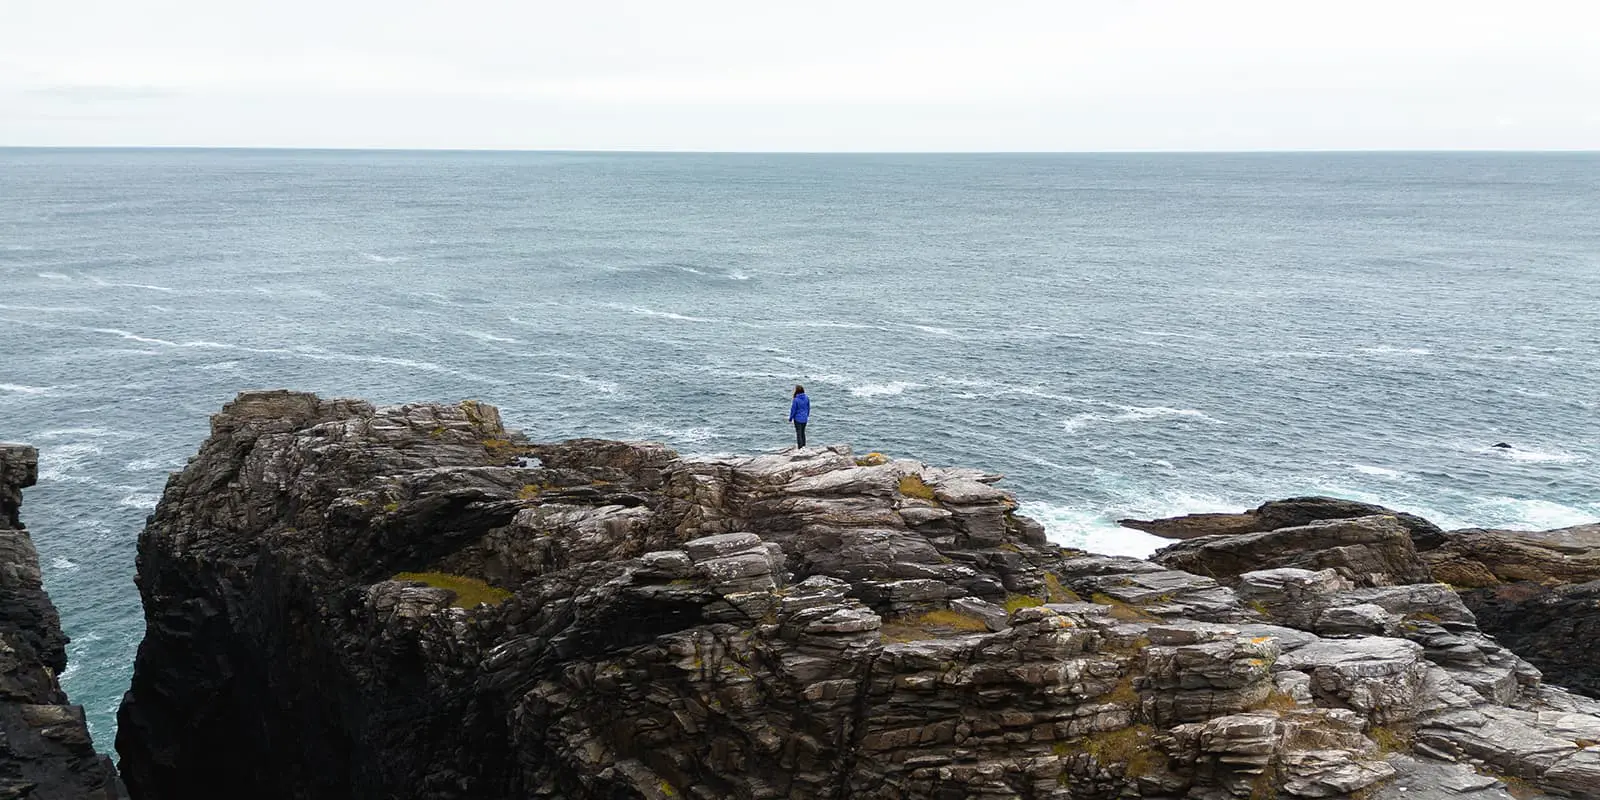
(799, 390)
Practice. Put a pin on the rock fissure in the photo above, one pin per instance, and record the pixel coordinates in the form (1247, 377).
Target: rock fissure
(45, 749)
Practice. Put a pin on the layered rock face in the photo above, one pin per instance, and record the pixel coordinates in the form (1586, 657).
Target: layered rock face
(1278, 514)
(411, 602)
(45, 751)
(1537, 592)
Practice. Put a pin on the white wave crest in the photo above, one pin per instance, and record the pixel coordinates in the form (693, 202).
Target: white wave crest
(18, 388)
(1387, 349)
(134, 337)
(882, 389)
(1378, 472)
(675, 435)
(1137, 414)
(1096, 529)
(62, 564)
(1306, 354)
(1528, 515)
(55, 276)
(144, 501)
(114, 284)
(312, 353)
(76, 433)
(488, 337)
(825, 323)
(53, 309)
(378, 259)
(602, 386)
(934, 330)
(58, 462)
(651, 312)
(291, 291)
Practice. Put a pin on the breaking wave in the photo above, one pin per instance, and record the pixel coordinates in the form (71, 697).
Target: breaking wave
(1087, 419)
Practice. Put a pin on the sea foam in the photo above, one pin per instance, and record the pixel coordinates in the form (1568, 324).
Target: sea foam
(882, 389)
(20, 389)
(650, 312)
(1095, 528)
(1136, 414)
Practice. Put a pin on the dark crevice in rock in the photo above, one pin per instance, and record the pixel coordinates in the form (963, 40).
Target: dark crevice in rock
(45, 749)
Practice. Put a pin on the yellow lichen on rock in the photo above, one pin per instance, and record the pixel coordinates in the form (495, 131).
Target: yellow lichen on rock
(470, 592)
(913, 486)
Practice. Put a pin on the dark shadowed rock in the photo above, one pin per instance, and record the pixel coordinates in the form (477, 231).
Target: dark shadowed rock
(348, 601)
(1536, 591)
(45, 750)
(1555, 627)
(1276, 514)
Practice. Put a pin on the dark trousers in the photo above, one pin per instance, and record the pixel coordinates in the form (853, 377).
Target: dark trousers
(799, 434)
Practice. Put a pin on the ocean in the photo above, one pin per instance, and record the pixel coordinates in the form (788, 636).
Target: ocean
(1141, 335)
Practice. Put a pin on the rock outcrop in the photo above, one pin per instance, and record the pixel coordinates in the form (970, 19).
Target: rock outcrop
(1537, 592)
(413, 602)
(45, 751)
(1369, 550)
(1277, 514)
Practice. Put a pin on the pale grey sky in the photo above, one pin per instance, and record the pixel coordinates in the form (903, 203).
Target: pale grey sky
(899, 76)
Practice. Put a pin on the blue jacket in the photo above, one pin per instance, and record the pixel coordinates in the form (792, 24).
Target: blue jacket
(800, 409)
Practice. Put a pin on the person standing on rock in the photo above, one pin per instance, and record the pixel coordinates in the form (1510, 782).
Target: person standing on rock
(799, 413)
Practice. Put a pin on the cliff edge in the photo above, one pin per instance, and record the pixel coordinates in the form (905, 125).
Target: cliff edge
(45, 751)
(413, 602)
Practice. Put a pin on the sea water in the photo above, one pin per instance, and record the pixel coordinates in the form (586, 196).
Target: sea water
(1119, 335)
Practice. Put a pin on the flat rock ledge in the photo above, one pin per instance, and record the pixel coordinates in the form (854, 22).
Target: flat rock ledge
(414, 602)
(45, 750)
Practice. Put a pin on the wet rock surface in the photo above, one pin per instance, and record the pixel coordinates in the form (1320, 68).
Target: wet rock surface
(409, 602)
(45, 749)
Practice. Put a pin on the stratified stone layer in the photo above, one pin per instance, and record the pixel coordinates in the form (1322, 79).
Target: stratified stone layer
(800, 625)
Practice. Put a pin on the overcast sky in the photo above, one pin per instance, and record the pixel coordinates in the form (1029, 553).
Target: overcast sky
(752, 75)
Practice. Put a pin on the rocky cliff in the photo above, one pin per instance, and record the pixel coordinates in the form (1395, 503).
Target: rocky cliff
(345, 601)
(1537, 592)
(45, 751)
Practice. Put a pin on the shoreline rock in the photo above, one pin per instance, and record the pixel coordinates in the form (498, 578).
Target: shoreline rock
(1276, 514)
(1538, 592)
(412, 601)
(45, 749)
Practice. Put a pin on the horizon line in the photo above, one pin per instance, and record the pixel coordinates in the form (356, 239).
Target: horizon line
(690, 151)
